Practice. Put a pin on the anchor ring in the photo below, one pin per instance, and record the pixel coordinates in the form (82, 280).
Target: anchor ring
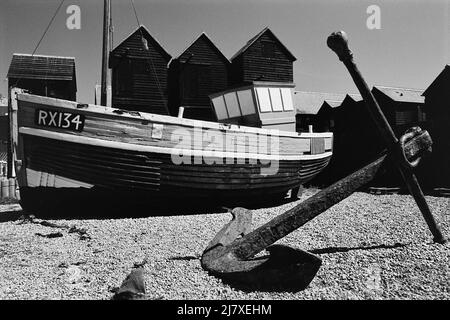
(409, 134)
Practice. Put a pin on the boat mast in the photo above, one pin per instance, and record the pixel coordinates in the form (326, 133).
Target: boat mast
(106, 72)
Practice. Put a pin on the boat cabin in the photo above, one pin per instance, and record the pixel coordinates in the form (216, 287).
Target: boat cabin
(261, 104)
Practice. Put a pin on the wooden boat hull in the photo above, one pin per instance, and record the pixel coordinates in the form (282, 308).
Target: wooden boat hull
(139, 155)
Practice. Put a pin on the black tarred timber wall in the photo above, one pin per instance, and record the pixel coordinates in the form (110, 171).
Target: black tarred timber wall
(198, 72)
(437, 100)
(356, 142)
(60, 89)
(391, 176)
(139, 76)
(254, 65)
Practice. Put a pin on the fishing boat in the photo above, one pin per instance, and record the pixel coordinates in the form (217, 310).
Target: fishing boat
(63, 148)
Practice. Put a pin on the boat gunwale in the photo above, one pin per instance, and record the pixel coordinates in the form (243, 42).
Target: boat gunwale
(95, 109)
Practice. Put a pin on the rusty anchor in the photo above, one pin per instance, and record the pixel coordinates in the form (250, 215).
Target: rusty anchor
(232, 254)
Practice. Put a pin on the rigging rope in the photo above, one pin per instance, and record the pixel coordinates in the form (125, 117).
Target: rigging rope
(43, 35)
(146, 49)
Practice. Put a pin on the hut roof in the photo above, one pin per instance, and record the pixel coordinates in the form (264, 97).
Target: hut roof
(259, 35)
(147, 35)
(401, 94)
(443, 77)
(212, 44)
(27, 66)
(311, 102)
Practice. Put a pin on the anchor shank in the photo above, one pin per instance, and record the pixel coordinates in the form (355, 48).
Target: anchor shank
(262, 237)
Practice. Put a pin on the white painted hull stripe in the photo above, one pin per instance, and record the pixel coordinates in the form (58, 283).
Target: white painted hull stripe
(171, 151)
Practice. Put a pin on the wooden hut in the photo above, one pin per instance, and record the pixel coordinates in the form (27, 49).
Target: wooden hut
(200, 70)
(139, 73)
(437, 102)
(49, 76)
(355, 134)
(315, 109)
(403, 107)
(262, 58)
(355, 137)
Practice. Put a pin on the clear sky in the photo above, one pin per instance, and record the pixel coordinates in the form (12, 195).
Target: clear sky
(409, 50)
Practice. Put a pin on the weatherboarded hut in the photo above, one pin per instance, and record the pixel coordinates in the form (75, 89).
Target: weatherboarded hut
(355, 139)
(49, 76)
(43, 75)
(200, 70)
(437, 102)
(316, 109)
(139, 73)
(404, 108)
(263, 58)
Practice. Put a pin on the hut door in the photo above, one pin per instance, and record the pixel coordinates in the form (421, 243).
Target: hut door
(196, 82)
(123, 79)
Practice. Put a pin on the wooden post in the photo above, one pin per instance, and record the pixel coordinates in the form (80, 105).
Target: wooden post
(180, 112)
(12, 187)
(13, 132)
(106, 72)
(4, 188)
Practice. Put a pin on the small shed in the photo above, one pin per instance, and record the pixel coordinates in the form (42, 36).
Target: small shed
(50, 76)
(316, 109)
(200, 70)
(139, 73)
(355, 140)
(403, 107)
(263, 58)
(437, 102)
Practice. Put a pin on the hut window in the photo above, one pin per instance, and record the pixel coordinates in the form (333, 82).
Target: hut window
(123, 85)
(268, 49)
